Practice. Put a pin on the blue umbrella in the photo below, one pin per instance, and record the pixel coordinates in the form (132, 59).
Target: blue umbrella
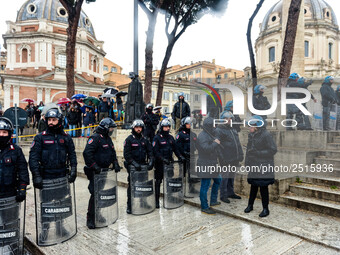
(78, 96)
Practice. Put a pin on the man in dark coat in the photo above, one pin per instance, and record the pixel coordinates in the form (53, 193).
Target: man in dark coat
(103, 109)
(181, 110)
(260, 102)
(261, 149)
(328, 98)
(208, 147)
(150, 121)
(232, 155)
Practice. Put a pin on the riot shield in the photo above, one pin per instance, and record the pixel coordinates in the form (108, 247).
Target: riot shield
(173, 185)
(333, 117)
(317, 117)
(12, 223)
(192, 181)
(105, 198)
(142, 190)
(55, 212)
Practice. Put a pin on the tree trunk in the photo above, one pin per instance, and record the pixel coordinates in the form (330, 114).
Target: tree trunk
(250, 45)
(149, 56)
(289, 43)
(70, 55)
(163, 71)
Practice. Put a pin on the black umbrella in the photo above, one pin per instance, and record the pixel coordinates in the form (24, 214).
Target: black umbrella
(110, 92)
(121, 94)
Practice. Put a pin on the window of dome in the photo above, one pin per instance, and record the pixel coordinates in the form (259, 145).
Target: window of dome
(62, 12)
(305, 11)
(31, 9)
(273, 18)
(87, 22)
(327, 13)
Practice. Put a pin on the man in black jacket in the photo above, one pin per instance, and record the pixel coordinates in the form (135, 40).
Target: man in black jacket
(137, 152)
(163, 148)
(103, 109)
(99, 153)
(150, 121)
(231, 155)
(328, 98)
(181, 110)
(260, 102)
(14, 173)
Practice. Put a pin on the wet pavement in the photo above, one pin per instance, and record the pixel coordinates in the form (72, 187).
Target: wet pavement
(180, 231)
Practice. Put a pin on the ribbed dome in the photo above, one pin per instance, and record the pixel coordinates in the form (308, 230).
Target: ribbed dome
(317, 8)
(51, 10)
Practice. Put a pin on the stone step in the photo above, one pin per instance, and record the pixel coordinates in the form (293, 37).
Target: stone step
(321, 181)
(328, 161)
(332, 146)
(337, 139)
(315, 191)
(312, 204)
(330, 153)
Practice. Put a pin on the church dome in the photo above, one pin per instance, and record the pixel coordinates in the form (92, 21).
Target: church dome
(313, 10)
(50, 10)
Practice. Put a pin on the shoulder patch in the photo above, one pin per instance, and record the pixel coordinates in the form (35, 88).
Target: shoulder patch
(153, 143)
(90, 141)
(44, 133)
(177, 136)
(33, 143)
(12, 147)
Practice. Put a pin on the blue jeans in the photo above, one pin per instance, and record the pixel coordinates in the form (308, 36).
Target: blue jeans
(205, 184)
(83, 131)
(72, 132)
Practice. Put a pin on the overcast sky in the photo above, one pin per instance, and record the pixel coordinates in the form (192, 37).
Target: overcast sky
(222, 38)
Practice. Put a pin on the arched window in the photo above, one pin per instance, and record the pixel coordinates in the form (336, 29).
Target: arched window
(330, 50)
(95, 66)
(271, 54)
(24, 56)
(306, 49)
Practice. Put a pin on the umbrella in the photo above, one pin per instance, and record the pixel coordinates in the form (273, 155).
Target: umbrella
(78, 96)
(110, 92)
(157, 108)
(64, 100)
(94, 100)
(27, 100)
(121, 94)
(49, 106)
(41, 108)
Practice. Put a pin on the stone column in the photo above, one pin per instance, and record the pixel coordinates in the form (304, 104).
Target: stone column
(7, 96)
(298, 65)
(47, 95)
(16, 95)
(39, 95)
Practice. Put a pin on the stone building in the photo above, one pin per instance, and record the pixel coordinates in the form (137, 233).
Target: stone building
(36, 55)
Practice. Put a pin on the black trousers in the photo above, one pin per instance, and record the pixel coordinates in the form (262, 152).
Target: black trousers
(264, 195)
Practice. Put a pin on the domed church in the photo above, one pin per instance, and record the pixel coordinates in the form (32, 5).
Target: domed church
(36, 55)
(317, 41)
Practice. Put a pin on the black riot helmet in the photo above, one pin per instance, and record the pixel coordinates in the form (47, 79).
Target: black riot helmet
(5, 124)
(54, 113)
(105, 125)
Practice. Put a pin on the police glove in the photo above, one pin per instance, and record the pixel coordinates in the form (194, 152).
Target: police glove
(136, 165)
(73, 175)
(97, 169)
(37, 182)
(21, 195)
(151, 163)
(166, 161)
(117, 167)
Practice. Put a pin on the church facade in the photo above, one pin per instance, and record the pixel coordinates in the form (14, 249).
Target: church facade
(36, 55)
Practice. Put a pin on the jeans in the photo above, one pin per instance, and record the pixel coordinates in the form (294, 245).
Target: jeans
(72, 132)
(83, 131)
(205, 184)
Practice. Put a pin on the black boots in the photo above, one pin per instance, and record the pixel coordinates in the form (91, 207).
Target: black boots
(248, 209)
(264, 213)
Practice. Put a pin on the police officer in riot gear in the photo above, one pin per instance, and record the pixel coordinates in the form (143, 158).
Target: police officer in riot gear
(50, 154)
(305, 84)
(163, 147)
(99, 153)
(260, 102)
(137, 152)
(184, 139)
(151, 121)
(292, 110)
(229, 107)
(328, 98)
(14, 176)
